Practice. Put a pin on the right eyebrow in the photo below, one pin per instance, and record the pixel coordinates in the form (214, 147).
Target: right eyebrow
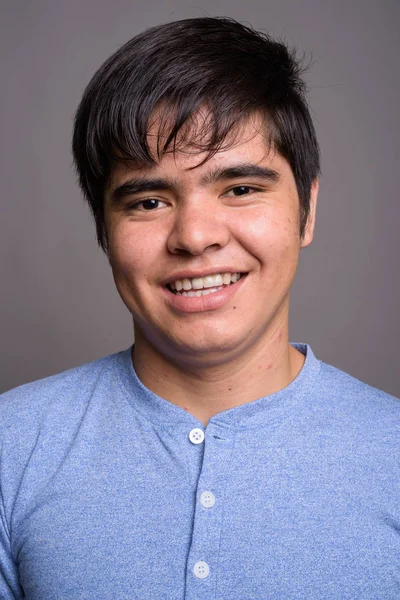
(139, 185)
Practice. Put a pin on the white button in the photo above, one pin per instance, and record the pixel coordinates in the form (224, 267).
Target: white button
(201, 569)
(207, 499)
(196, 436)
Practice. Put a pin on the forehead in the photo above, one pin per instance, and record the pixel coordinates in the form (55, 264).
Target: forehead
(248, 143)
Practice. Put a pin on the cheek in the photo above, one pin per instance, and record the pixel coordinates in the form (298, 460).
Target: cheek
(271, 236)
(131, 253)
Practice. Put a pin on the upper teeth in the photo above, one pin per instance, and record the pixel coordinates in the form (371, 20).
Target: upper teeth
(198, 283)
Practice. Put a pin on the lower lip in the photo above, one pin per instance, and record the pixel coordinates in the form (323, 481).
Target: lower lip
(209, 302)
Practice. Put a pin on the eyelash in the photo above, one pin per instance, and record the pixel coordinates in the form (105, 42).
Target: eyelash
(138, 203)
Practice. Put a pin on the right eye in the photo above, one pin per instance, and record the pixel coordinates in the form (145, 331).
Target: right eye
(147, 205)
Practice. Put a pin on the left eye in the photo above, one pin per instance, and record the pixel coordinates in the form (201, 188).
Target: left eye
(241, 190)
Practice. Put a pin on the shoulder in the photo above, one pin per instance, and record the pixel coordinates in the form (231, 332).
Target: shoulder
(351, 400)
(32, 400)
(340, 382)
(39, 421)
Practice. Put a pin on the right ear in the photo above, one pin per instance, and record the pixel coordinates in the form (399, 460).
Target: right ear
(308, 234)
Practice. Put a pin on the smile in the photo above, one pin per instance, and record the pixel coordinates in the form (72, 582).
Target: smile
(202, 286)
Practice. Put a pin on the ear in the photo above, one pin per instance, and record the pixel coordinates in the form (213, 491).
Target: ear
(309, 229)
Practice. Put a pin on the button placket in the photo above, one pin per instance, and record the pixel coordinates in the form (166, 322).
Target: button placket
(203, 557)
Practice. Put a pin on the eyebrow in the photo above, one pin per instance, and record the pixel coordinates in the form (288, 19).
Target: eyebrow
(140, 185)
(240, 171)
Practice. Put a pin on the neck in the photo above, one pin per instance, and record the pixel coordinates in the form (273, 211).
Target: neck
(206, 391)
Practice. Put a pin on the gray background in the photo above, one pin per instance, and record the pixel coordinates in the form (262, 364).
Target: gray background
(59, 306)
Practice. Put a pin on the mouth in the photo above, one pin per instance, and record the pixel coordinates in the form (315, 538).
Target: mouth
(203, 286)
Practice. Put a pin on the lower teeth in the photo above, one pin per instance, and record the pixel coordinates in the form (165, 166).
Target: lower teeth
(199, 293)
(204, 291)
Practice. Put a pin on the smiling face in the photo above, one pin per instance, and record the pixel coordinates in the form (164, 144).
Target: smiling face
(204, 256)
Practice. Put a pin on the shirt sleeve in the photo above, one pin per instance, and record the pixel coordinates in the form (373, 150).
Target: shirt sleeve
(10, 588)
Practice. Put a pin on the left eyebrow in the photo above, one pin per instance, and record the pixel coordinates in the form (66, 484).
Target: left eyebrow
(240, 171)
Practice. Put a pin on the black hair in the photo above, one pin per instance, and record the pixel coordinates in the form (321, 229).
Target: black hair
(213, 62)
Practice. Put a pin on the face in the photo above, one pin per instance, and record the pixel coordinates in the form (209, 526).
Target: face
(204, 256)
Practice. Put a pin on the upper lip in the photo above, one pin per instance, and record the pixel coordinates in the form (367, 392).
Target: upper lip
(188, 274)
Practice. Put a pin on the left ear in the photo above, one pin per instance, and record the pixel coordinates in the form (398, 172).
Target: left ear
(309, 229)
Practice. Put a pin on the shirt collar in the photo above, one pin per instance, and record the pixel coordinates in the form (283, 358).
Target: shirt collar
(267, 410)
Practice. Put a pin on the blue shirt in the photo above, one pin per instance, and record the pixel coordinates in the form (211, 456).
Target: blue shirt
(111, 492)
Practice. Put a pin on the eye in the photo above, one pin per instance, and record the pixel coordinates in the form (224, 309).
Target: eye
(241, 190)
(147, 205)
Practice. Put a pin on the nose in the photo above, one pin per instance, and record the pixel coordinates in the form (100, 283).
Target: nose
(198, 227)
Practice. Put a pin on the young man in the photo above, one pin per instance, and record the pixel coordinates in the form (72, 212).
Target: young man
(213, 459)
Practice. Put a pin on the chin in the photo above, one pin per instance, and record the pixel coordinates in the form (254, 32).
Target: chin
(210, 350)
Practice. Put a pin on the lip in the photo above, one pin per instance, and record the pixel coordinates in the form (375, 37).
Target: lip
(204, 273)
(195, 304)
